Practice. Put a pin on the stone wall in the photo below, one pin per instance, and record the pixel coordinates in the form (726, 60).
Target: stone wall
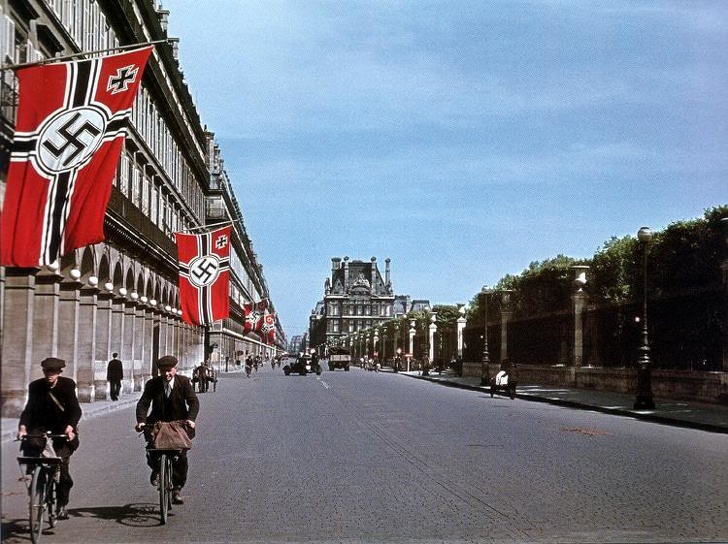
(711, 387)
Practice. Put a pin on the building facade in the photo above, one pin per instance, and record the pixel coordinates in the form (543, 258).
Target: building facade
(356, 297)
(121, 295)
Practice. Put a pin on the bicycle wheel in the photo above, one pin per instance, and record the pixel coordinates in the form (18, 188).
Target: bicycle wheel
(37, 503)
(164, 476)
(170, 485)
(51, 495)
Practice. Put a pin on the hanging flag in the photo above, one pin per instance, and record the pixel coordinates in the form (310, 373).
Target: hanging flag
(204, 276)
(254, 313)
(268, 329)
(70, 129)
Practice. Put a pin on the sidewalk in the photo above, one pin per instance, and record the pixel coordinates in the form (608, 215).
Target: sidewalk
(9, 425)
(696, 415)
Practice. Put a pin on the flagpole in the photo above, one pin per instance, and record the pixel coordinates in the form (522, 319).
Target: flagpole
(72, 55)
(212, 226)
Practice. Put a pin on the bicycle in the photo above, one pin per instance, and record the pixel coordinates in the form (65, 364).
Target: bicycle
(42, 489)
(165, 487)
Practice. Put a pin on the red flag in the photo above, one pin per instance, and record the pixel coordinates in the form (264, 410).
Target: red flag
(268, 329)
(254, 315)
(204, 276)
(68, 137)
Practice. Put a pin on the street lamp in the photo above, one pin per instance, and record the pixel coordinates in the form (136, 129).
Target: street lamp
(644, 385)
(485, 361)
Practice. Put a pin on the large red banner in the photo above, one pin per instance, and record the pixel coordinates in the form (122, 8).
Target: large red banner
(70, 129)
(204, 276)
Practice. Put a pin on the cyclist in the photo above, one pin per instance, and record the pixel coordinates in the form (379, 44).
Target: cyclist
(172, 398)
(53, 406)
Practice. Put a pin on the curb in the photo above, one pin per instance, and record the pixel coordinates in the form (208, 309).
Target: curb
(90, 410)
(644, 416)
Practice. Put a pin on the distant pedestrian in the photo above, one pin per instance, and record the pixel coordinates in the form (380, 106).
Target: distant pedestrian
(202, 374)
(114, 375)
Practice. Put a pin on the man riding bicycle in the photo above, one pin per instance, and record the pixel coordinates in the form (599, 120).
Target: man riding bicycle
(53, 406)
(172, 398)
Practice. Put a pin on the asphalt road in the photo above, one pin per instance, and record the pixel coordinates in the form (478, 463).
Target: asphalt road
(372, 457)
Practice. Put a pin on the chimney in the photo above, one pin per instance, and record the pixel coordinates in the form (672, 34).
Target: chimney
(386, 271)
(346, 272)
(163, 15)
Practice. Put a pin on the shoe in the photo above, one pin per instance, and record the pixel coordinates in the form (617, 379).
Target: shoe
(62, 512)
(177, 497)
(154, 479)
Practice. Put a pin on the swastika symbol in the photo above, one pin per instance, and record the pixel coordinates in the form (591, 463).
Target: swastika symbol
(204, 270)
(69, 138)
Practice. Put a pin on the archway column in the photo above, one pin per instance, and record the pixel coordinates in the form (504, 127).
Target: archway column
(68, 310)
(20, 285)
(104, 309)
(86, 343)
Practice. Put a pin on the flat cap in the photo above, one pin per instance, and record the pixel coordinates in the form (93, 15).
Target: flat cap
(167, 362)
(52, 363)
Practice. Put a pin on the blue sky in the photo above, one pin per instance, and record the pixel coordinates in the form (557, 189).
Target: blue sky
(461, 139)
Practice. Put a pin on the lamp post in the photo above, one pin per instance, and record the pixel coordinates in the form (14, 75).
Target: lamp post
(485, 361)
(644, 385)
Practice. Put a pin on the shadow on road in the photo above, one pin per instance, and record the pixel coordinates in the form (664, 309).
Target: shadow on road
(131, 515)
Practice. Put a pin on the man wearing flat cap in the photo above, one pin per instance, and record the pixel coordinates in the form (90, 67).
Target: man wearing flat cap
(171, 398)
(53, 406)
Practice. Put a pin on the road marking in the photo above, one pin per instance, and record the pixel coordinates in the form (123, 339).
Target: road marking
(327, 386)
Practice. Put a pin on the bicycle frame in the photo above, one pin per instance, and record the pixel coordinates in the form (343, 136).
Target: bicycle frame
(165, 486)
(41, 486)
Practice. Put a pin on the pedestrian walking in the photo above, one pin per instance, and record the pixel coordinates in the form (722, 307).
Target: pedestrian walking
(171, 397)
(53, 406)
(114, 375)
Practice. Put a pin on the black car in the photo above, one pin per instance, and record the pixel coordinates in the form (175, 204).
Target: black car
(303, 365)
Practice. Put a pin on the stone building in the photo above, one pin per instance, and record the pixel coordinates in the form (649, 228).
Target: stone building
(356, 297)
(121, 295)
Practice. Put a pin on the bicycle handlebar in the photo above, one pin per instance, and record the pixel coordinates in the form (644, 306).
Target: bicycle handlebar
(46, 434)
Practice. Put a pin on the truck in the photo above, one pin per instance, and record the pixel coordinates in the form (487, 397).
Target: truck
(339, 358)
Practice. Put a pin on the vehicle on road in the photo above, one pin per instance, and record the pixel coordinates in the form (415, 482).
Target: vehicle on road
(339, 358)
(304, 364)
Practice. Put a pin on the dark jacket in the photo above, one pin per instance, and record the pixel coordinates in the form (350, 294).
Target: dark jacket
(42, 411)
(115, 371)
(182, 403)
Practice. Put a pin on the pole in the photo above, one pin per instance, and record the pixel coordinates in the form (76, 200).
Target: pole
(486, 356)
(79, 54)
(644, 386)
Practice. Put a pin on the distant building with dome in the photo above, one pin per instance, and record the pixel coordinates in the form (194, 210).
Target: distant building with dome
(356, 297)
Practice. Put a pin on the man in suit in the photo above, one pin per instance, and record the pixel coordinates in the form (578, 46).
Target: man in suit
(172, 398)
(114, 375)
(53, 406)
